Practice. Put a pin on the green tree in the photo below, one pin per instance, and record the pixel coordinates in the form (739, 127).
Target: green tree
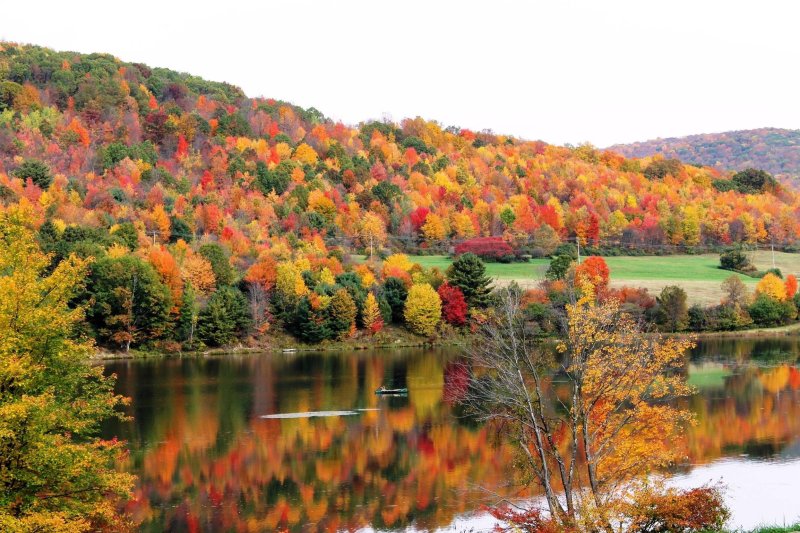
(468, 273)
(225, 318)
(672, 311)
(220, 264)
(37, 171)
(55, 474)
(309, 324)
(559, 265)
(395, 293)
(130, 304)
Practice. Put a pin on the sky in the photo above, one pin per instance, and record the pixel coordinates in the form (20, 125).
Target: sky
(603, 72)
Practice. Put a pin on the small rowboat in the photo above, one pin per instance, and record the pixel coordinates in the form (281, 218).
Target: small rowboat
(385, 391)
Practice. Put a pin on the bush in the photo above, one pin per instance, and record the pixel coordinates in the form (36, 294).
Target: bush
(487, 248)
(558, 268)
(736, 260)
(767, 311)
(700, 509)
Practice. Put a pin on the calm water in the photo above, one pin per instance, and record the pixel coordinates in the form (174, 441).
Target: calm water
(208, 460)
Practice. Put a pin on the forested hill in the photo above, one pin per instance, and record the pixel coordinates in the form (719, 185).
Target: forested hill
(775, 150)
(95, 143)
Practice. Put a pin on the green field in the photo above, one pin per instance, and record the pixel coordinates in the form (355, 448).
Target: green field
(699, 275)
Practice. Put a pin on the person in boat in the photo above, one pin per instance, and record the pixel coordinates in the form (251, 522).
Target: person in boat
(383, 388)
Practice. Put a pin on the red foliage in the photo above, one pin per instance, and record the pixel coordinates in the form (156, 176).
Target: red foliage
(528, 520)
(491, 248)
(454, 306)
(418, 217)
(632, 295)
(183, 148)
(595, 270)
(791, 286)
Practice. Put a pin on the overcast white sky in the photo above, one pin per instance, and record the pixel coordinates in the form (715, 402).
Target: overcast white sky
(560, 71)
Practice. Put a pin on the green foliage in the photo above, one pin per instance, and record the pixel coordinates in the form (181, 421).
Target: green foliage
(672, 311)
(309, 324)
(37, 171)
(735, 259)
(111, 154)
(660, 168)
(129, 303)
(395, 293)
(752, 181)
(225, 318)
(767, 311)
(220, 264)
(558, 268)
(468, 273)
(276, 180)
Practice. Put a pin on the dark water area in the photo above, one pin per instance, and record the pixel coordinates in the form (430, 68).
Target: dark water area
(338, 457)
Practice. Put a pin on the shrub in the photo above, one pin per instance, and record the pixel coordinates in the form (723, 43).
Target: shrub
(699, 509)
(487, 248)
(735, 260)
(768, 311)
(423, 309)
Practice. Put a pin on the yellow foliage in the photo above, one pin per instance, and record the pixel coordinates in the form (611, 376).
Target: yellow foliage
(397, 261)
(434, 228)
(772, 286)
(305, 154)
(423, 309)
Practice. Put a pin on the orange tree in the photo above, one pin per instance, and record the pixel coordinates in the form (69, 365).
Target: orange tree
(593, 448)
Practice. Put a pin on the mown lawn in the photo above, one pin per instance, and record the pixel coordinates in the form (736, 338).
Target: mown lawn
(699, 275)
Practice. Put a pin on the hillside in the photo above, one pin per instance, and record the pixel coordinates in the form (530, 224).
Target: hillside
(775, 150)
(199, 204)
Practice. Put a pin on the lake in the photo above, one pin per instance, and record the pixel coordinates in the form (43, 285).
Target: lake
(300, 442)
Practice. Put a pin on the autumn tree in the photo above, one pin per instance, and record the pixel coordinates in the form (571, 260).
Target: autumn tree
(593, 451)
(55, 474)
(735, 290)
(454, 306)
(342, 314)
(423, 309)
(371, 232)
(372, 319)
(468, 273)
(772, 286)
(594, 271)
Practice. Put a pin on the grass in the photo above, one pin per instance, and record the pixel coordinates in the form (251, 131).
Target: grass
(699, 275)
(778, 529)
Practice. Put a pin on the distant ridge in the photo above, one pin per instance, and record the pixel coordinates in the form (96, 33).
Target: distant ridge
(772, 149)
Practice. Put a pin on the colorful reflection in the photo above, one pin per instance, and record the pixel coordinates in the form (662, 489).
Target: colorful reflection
(208, 461)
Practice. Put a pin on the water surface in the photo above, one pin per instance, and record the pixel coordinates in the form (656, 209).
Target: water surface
(300, 442)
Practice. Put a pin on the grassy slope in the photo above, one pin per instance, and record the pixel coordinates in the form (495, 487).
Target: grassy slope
(699, 275)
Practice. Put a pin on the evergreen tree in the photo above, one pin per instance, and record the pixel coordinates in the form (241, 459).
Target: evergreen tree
(220, 264)
(468, 273)
(225, 318)
(395, 292)
(341, 314)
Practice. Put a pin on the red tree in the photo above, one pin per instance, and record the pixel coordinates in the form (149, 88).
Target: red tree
(454, 306)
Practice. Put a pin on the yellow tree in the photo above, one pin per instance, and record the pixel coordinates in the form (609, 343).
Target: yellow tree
(371, 317)
(434, 228)
(423, 309)
(772, 286)
(55, 474)
(593, 445)
(371, 231)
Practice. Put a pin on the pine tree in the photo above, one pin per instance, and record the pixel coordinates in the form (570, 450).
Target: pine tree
(342, 314)
(468, 273)
(373, 321)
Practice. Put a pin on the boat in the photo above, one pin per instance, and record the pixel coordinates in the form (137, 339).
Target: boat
(384, 391)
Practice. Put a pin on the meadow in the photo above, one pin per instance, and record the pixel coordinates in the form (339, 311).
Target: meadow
(699, 275)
